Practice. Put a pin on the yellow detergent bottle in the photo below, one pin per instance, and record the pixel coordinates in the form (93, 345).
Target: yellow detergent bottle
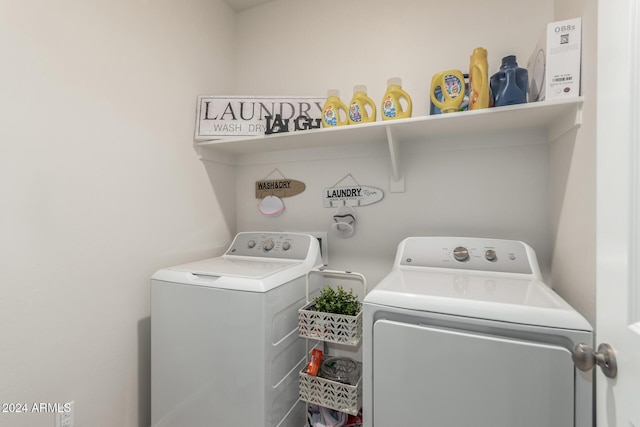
(451, 87)
(331, 115)
(391, 107)
(478, 80)
(361, 108)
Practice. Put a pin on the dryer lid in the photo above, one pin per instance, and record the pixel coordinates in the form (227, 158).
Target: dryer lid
(482, 296)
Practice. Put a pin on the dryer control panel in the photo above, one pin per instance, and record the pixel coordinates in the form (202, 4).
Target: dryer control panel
(468, 253)
(291, 246)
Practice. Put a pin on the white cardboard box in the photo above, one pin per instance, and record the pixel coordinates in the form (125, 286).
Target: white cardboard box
(554, 65)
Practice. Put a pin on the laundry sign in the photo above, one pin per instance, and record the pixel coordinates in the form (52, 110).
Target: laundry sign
(357, 195)
(235, 116)
(279, 187)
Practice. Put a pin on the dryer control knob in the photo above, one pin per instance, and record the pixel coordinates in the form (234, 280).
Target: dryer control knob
(286, 246)
(267, 245)
(251, 244)
(461, 253)
(490, 255)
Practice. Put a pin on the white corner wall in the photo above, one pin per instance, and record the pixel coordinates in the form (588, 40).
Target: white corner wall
(573, 178)
(100, 186)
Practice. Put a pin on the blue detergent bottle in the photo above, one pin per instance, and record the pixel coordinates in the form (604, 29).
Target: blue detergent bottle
(510, 84)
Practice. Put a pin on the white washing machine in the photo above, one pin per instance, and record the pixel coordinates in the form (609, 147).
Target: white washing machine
(463, 332)
(225, 349)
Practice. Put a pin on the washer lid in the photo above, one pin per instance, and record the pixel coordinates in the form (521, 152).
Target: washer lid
(240, 268)
(235, 274)
(483, 296)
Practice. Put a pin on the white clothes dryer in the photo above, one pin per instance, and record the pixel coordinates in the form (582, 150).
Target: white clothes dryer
(463, 332)
(225, 349)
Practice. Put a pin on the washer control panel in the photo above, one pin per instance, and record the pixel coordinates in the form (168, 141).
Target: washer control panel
(468, 253)
(272, 245)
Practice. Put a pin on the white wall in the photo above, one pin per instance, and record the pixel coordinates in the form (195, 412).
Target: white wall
(573, 177)
(500, 190)
(100, 186)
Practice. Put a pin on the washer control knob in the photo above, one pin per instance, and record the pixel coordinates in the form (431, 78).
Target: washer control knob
(490, 255)
(251, 243)
(286, 246)
(461, 253)
(267, 245)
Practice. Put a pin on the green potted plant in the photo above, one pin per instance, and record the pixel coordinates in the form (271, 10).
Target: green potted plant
(337, 301)
(335, 315)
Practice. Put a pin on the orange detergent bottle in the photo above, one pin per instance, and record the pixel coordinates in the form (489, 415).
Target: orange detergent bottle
(361, 108)
(334, 112)
(392, 107)
(479, 95)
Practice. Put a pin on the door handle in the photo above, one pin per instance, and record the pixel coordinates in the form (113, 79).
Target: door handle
(585, 358)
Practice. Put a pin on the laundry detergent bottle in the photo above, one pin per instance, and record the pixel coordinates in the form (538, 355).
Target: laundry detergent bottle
(510, 84)
(334, 112)
(447, 90)
(479, 94)
(361, 108)
(392, 107)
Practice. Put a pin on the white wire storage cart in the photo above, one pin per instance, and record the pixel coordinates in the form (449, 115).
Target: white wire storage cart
(341, 329)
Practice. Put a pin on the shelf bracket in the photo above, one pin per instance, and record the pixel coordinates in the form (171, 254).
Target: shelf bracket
(565, 123)
(396, 180)
(212, 155)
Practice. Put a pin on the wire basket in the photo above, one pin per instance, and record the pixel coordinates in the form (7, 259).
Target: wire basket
(331, 394)
(338, 328)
